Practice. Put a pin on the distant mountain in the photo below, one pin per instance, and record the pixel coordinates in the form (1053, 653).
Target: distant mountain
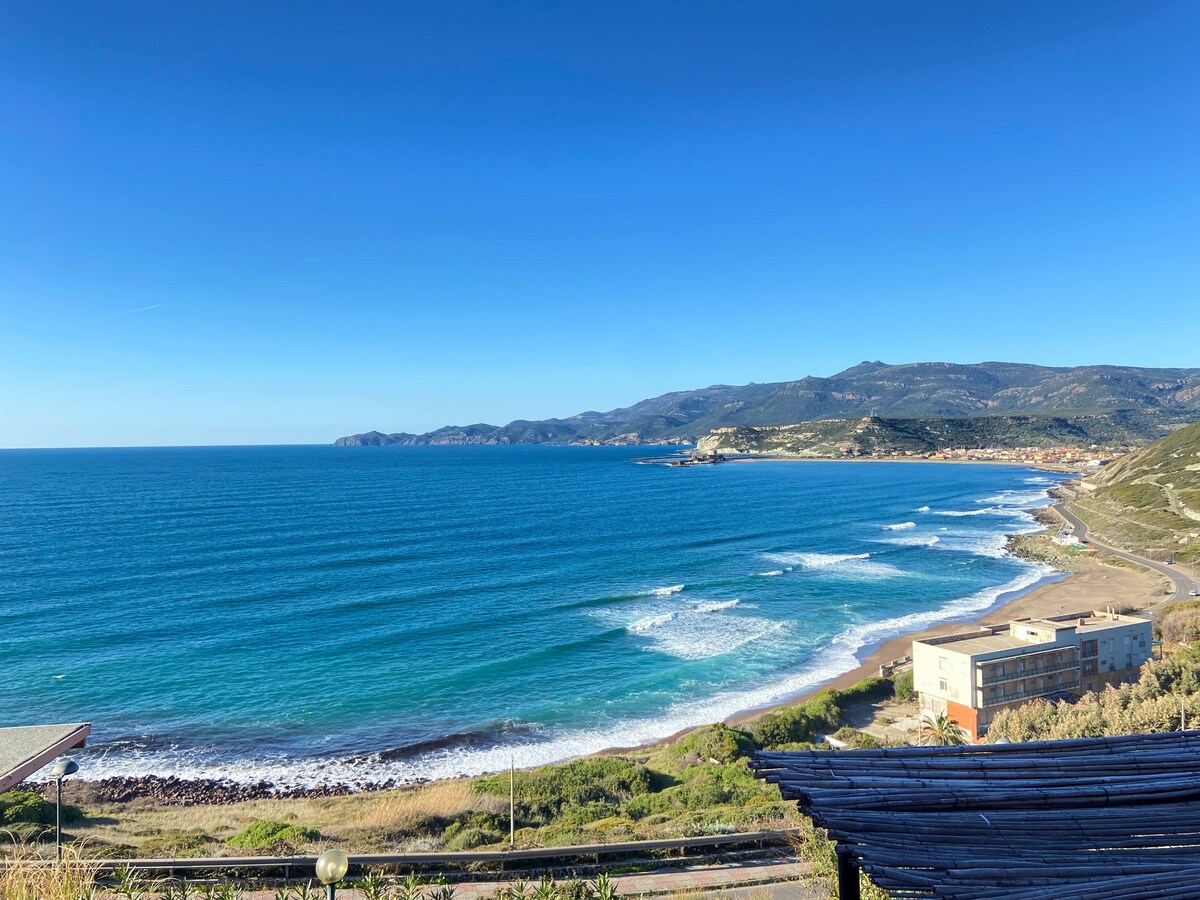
(1167, 397)
(1150, 499)
(873, 435)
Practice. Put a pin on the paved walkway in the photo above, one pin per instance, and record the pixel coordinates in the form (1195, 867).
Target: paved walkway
(683, 880)
(770, 879)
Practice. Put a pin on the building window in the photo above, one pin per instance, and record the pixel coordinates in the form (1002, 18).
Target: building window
(942, 686)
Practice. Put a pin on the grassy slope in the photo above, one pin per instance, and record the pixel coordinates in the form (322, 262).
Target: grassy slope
(926, 435)
(1151, 497)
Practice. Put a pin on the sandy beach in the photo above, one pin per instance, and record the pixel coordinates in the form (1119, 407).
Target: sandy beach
(1094, 587)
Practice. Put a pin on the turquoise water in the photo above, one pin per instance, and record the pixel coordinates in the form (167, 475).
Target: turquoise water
(321, 615)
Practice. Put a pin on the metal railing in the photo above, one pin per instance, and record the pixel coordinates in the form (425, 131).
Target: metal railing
(1030, 673)
(461, 861)
(1030, 695)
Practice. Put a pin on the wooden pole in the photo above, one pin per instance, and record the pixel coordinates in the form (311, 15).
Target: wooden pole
(848, 888)
(512, 800)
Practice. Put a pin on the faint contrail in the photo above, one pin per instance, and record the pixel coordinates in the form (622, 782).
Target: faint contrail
(140, 309)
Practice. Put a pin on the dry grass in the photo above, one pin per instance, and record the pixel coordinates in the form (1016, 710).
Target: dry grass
(443, 799)
(29, 878)
(335, 817)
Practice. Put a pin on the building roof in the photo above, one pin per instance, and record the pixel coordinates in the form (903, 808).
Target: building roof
(1090, 818)
(979, 641)
(25, 749)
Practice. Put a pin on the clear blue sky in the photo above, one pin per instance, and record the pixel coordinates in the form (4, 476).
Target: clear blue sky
(283, 222)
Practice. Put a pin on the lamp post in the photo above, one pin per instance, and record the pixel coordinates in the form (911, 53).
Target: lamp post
(331, 868)
(61, 770)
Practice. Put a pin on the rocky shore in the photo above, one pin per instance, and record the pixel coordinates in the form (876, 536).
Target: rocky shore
(172, 791)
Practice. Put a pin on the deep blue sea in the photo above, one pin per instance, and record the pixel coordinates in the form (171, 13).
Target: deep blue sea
(322, 615)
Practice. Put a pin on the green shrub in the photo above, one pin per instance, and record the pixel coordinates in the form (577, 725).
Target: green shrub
(471, 837)
(544, 794)
(264, 834)
(25, 807)
(858, 740)
(903, 684)
(717, 742)
(785, 726)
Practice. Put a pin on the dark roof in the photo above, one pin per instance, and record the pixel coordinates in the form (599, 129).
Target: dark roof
(1091, 818)
(25, 749)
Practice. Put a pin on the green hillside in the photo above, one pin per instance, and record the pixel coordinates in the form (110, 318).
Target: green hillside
(1150, 499)
(839, 437)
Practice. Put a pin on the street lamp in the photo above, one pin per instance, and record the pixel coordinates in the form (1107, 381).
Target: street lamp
(61, 770)
(331, 868)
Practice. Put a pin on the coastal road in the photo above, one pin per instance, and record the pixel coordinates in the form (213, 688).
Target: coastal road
(1180, 580)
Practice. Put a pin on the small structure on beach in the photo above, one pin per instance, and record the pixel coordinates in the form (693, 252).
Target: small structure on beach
(1108, 817)
(25, 749)
(972, 676)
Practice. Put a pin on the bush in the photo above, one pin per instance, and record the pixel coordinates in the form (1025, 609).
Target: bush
(471, 837)
(903, 685)
(544, 794)
(264, 834)
(25, 807)
(1181, 626)
(717, 742)
(858, 740)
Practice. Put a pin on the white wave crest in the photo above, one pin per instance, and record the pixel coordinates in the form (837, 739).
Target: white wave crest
(693, 632)
(667, 591)
(912, 540)
(1017, 498)
(900, 527)
(921, 509)
(772, 574)
(858, 566)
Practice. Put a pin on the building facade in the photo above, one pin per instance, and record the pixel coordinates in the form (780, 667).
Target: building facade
(970, 677)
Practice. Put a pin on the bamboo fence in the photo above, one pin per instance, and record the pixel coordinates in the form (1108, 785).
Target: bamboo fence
(1093, 818)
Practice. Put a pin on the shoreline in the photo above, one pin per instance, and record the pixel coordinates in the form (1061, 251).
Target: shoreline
(1095, 585)
(1021, 464)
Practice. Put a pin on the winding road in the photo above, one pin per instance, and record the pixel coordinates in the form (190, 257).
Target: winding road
(1181, 581)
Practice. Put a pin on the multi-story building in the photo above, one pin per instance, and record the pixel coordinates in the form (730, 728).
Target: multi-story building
(970, 677)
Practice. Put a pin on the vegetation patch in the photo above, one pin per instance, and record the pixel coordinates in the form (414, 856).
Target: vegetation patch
(265, 834)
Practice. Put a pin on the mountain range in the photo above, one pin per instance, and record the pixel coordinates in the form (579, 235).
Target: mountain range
(1165, 398)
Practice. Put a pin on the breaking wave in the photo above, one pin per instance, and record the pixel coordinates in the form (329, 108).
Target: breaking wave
(838, 565)
(694, 632)
(900, 527)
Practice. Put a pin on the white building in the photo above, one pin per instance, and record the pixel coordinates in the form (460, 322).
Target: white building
(972, 676)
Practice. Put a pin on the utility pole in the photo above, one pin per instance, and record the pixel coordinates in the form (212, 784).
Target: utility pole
(512, 800)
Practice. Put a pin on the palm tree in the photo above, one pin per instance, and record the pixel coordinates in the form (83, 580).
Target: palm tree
(942, 731)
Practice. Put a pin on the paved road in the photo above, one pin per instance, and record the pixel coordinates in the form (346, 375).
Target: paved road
(1183, 583)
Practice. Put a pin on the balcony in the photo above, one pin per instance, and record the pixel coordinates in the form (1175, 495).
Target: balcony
(1031, 673)
(1015, 696)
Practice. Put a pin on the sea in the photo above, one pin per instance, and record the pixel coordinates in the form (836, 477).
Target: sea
(314, 615)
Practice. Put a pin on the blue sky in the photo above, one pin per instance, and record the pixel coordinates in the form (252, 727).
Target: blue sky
(337, 217)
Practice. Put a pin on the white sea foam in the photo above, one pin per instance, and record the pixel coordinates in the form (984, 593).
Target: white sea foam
(694, 632)
(912, 540)
(667, 591)
(1017, 498)
(772, 574)
(1039, 479)
(921, 509)
(900, 527)
(858, 566)
(542, 745)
